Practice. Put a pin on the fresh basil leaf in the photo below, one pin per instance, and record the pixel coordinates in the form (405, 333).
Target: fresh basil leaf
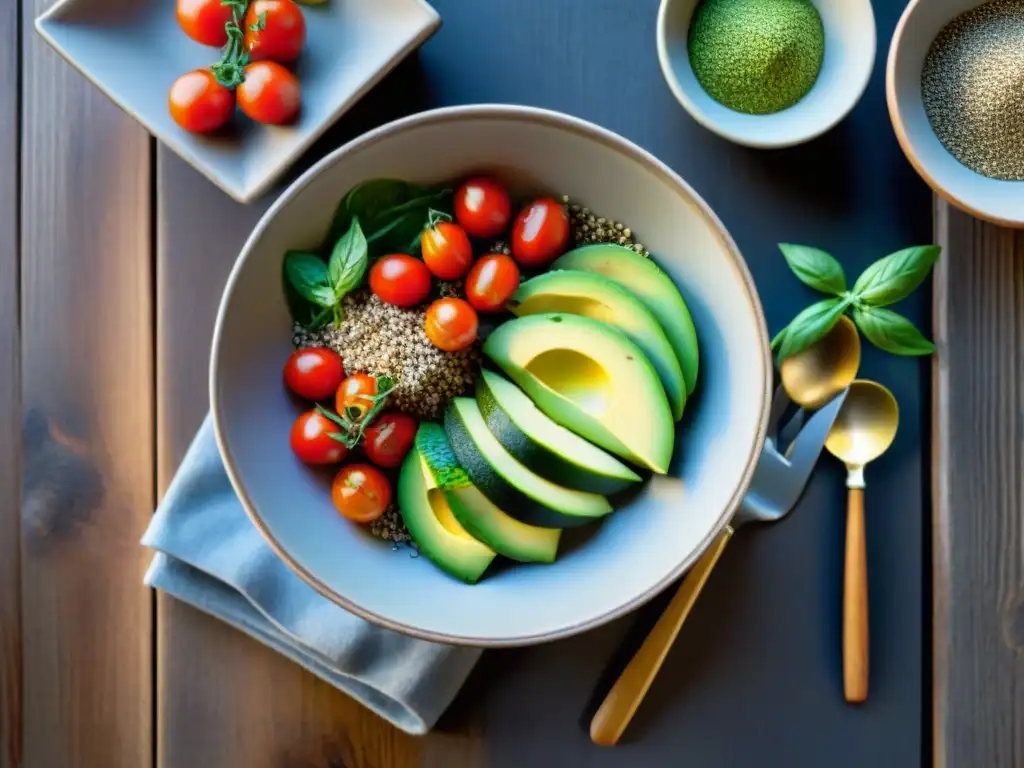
(891, 332)
(895, 276)
(811, 326)
(371, 201)
(308, 275)
(348, 262)
(815, 268)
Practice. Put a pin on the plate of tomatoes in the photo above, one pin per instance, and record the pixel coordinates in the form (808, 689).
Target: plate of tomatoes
(238, 88)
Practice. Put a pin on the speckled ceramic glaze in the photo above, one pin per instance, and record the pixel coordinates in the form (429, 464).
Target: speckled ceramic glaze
(652, 538)
(850, 42)
(133, 50)
(998, 201)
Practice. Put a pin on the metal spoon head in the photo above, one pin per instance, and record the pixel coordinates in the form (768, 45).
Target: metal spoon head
(816, 375)
(866, 424)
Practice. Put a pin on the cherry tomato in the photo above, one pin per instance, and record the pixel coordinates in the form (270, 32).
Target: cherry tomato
(204, 20)
(283, 31)
(540, 233)
(446, 250)
(451, 324)
(357, 391)
(482, 207)
(198, 103)
(400, 279)
(361, 493)
(389, 438)
(311, 440)
(314, 373)
(270, 93)
(491, 282)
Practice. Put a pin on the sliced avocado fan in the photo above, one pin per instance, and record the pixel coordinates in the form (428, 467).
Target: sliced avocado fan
(477, 514)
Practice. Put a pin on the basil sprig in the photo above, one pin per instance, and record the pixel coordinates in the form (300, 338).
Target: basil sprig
(316, 289)
(890, 279)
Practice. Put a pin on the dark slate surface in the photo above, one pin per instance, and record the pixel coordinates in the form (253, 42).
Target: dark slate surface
(754, 679)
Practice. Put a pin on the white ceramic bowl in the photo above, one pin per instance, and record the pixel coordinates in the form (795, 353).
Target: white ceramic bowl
(1001, 202)
(850, 41)
(637, 551)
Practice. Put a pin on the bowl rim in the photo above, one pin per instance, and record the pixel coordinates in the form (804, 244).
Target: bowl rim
(587, 130)
(895, 104)
(669, 74)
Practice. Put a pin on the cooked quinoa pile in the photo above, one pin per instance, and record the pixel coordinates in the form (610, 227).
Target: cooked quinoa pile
(382, 339)
(379, 338)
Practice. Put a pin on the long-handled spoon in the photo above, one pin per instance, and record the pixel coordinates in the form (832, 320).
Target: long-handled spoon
(818, 375)
(863, 431)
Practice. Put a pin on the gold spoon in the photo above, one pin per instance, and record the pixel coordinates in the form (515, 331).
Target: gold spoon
(811, 379)
(863, 431)
(826, 368)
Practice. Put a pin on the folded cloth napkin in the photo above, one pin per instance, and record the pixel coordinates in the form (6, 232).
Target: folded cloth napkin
(210, 555)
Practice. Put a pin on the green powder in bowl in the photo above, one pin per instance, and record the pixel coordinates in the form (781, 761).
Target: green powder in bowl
(756, 56)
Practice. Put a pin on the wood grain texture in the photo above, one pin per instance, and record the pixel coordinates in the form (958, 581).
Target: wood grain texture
(225, 699)
(10, 559)
(87, 422)
(978, 492)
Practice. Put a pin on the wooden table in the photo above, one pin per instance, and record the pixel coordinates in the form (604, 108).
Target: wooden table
(112, 257)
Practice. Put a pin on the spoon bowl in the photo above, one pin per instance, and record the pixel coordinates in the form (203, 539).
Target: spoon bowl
(850, 42)
(866, 425)
(813, 377)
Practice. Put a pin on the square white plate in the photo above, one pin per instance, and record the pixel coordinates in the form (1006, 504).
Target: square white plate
(133, 50)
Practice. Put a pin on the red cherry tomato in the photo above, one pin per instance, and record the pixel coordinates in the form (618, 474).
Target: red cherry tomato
(204, 20)
(314, 373)
(389, 439)
(451, 324)
(270, 93)
(446, 250)
(491, 282)
(540, 233)
(283, 31)
(357, 391)
(361, 493)
(400, 279)
(482, 207)
(198, 103)
(311, 440)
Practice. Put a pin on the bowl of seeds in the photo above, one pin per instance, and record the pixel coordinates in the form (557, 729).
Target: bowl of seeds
(955, 91)
(767, 73)
(545, 469)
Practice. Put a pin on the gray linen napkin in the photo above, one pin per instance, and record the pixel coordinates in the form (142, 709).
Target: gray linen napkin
(210, 555)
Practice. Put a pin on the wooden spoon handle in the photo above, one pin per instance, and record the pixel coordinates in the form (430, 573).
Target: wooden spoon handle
(629, 690)
(855, 602)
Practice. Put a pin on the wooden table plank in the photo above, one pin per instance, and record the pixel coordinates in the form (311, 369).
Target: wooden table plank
(224, 699)
(978, 492)
(87, 354)
(10, 559)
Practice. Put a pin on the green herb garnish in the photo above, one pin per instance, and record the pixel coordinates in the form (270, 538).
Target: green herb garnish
(353, 422)
(890, 279)
(316, 289)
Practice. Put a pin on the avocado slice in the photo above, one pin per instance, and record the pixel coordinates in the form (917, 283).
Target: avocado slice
(599, 298)
(544, 446)
(505, 481)
(433, 526)
(590, 378)
(645, 280)
(477, 514)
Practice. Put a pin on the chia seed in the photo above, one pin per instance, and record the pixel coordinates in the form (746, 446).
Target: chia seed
(972, 84)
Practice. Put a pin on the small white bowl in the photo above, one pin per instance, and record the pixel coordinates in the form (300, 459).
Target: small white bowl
(1001, 202)
(850, 42)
